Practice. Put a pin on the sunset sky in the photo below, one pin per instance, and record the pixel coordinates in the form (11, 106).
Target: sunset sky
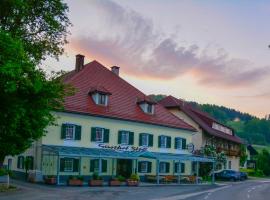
(206, 51)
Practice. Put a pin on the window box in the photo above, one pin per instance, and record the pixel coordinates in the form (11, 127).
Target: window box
(50, 180)
(95, 182)
(133, 180)
(75, 181)
(114, 182)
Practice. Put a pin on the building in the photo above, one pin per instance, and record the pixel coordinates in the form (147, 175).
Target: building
(209, 130)
(109, 127)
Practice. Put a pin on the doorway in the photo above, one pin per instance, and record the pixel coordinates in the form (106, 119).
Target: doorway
(124, 167)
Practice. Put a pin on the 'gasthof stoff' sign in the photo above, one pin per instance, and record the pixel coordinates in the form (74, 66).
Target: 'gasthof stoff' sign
(122, 147)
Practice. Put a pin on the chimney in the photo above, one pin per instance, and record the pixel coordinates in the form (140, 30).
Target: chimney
(79, 62)
(115, 70)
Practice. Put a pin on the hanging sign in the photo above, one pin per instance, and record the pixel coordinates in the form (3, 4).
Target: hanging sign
(190, 147)
(122, 148)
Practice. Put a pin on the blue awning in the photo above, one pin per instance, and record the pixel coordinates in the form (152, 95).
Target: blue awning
(108, 153)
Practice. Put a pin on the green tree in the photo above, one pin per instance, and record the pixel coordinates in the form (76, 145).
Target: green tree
(263, 162)
(41, 25)
(27, 98)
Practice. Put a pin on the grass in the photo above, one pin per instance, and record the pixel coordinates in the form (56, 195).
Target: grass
(3, 188)
(259, 148)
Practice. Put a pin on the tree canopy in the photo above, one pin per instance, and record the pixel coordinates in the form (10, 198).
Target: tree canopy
(29, 32)
(42, 26)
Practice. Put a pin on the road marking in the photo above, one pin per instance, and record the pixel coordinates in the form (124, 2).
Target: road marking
(184, 196)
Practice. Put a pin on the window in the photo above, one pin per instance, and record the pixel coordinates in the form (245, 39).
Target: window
(149, 108)
(144, 167)
(180, 143)
(29, 162)
(177, 167)
(102, 99)
(68, 165)
(164, 167)
(94, 165)
(124, 138)
(229, 164)
(20, 162)
(70, 132)
(145, 138)
(99, 134)
(163, 141)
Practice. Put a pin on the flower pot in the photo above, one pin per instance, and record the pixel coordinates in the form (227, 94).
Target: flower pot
(75, 182)
(95, 183)
(131, 182)
(114, 183)
(50, 181)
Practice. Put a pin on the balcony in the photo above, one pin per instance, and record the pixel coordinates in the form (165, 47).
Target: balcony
(228, 152)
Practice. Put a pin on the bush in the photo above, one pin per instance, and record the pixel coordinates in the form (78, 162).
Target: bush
(121, 178)
(76, 178)
(96, 176)
(135, 177)
(4, 172)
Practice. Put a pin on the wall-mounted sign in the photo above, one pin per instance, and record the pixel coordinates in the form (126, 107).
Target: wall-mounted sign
(190, 147)
(122, 147)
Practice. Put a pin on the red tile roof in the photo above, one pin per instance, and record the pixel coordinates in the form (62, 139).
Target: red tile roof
(203, 119)
(122, 101)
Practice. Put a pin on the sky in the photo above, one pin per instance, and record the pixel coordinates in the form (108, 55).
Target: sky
(206, 51)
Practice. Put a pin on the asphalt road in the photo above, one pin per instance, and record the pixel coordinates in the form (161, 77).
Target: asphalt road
(250, 190)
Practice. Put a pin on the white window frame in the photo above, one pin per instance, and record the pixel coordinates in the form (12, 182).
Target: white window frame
(70, 127)
(162, 167)
(179, 143)
(102, 99)
(144, 167)
(68, 161)
(102, 134)
(164, 139)
(20, 162)
(145, 140)
(127, 137)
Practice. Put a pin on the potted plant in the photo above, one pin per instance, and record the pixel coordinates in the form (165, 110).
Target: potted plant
(116, 181)
(96, 180)
(51, 180)
(75, 180)
(133, 180)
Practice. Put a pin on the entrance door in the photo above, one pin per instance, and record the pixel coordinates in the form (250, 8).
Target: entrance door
(124, 167)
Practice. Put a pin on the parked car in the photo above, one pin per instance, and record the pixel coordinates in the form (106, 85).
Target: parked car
(243, 176)
(228, 175)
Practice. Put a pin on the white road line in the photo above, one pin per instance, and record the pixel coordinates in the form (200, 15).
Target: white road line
(184, 196)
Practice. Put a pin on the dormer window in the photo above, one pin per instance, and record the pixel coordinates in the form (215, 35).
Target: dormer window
(100, 95)
(147, 105)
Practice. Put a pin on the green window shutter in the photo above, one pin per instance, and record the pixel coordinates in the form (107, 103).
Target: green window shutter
(169, 142)
(183, 167)
(175, 143)
(92, 165)
(93, 134)
(63, 131)
(140, 166)
(175, 167)
(22, 162)
(167, 167)
(184, 143)
(119, 137)
(150, 139)
(18, 161)
(159, 141)
(78, 130)
(106, 135)
(131, 138)
(75, 165)
(104, 165)
(149, 167)
(140, 139)
(30, 162)
(62, 164)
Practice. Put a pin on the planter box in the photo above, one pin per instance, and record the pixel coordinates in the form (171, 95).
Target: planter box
(95, 183)
(50, 181)
(132, 183)
(75, 182)
(114, 183)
